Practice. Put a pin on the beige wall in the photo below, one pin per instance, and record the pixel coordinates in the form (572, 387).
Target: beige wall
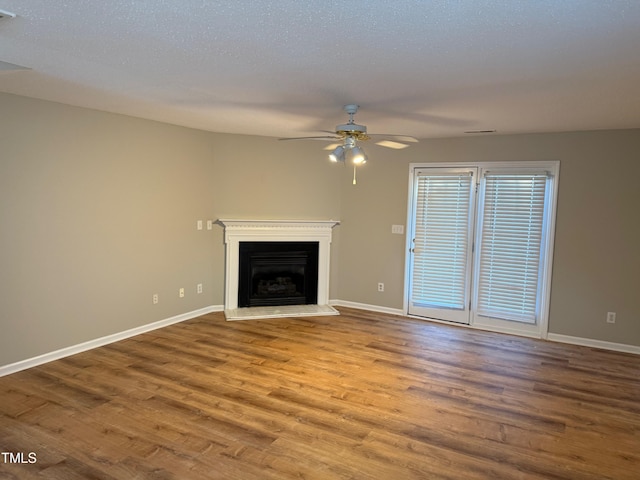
(98, 212)
(596, 263)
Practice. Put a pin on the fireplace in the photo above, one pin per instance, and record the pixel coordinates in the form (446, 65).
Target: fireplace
(279, 284)
(277, 273)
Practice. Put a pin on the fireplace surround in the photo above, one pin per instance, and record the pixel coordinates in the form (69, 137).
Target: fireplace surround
(243, 231)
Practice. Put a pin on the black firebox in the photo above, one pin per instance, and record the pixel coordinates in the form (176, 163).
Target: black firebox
(278, 273)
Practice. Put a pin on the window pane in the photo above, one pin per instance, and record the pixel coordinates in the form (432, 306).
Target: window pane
(510, 246)
(441, 240)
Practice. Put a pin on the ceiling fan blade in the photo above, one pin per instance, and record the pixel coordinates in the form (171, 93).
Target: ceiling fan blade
(325, 137)
(392, 144)
(399, 138)
(332, 146)
(350, 132)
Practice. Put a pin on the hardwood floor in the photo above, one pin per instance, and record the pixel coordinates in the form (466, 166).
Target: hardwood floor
(356, 396)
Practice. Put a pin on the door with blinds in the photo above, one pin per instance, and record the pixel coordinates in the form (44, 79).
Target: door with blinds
(481, 244)
(441, 245)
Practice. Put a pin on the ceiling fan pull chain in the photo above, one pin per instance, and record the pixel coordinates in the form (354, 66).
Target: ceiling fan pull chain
(354, 174)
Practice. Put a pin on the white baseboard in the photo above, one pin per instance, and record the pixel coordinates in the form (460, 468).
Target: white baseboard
(588, 342)
(365, 306)
(98, 342)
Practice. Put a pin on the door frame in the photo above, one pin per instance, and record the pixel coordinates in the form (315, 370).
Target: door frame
(545, 291)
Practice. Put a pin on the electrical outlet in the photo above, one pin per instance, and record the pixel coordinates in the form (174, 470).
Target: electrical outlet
(611, 317)
(181, 293)
(156, 299)
(199, 288)
(381, 287)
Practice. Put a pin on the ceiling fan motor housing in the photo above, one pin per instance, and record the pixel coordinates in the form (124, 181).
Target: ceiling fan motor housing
(352, 130)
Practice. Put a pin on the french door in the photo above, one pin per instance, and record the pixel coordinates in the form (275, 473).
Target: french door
(480, 240)
(441, 244)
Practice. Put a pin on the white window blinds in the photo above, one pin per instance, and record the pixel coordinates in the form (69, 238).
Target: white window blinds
(441, 243)
(511, 239)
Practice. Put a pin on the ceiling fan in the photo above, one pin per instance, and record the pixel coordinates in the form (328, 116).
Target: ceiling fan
(349, 134)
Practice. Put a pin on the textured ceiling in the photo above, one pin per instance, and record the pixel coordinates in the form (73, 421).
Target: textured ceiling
(285, 68)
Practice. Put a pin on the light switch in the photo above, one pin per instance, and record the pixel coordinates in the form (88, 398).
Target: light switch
(398, 229)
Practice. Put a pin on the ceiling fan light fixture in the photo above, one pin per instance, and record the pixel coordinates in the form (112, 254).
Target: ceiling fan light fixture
(337, 155)
(358, 156)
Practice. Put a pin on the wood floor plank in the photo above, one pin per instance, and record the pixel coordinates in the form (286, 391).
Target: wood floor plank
(359, 396)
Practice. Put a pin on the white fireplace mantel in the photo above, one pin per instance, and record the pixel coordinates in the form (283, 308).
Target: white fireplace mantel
(236, 231)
